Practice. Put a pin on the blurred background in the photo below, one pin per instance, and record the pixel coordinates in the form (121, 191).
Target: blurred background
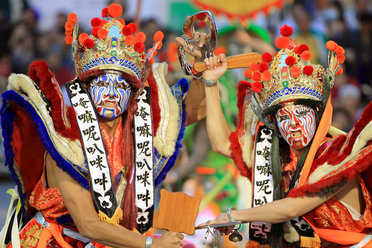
(34, 30)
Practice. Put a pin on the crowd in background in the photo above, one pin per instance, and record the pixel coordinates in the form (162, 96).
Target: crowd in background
(348, 22)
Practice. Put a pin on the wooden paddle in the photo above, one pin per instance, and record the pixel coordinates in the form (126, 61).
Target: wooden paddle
(237, 61)
(177, 212)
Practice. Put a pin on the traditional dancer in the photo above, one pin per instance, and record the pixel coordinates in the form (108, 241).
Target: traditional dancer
(311, 184)
(86, 169)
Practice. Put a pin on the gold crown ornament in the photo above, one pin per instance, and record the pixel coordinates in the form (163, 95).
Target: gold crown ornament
(290, 75)
(112, 44)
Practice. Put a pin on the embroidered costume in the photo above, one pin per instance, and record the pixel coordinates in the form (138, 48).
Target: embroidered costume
(37, 120)
(328, 162)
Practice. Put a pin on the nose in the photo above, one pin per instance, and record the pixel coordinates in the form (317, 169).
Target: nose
(294, 121)
(111, 90)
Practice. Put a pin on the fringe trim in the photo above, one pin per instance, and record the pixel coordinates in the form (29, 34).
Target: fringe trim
(155, 108)
(237, 155)
(63, 117)
(310, 242)
(78, 173)
(115, 219)
(235, 146)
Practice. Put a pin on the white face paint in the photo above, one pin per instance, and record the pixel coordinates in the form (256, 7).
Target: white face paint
(110, 94)
(296, 124)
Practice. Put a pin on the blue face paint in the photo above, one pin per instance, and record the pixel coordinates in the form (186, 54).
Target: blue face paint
(110, 94)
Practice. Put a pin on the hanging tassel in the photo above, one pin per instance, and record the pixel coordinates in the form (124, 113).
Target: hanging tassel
(115, 219)
(310, 242)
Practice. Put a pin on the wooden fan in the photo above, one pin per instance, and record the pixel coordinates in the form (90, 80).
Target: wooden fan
(177, 212)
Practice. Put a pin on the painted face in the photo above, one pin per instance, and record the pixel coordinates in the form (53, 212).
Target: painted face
(296, 124)
(110, 94)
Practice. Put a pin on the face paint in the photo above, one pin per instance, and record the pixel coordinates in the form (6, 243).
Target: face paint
(296, 124)
(110, 94)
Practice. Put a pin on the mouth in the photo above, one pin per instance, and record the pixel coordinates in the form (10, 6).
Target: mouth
(109, 103)
(296, 134)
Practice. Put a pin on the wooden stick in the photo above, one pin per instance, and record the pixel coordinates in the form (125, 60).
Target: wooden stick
(237, 61)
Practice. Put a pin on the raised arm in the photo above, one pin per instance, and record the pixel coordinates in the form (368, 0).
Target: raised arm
(218, 130)
(81, 208)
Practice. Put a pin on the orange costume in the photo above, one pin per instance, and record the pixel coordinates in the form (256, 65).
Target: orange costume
(36, 119)
(328, 162)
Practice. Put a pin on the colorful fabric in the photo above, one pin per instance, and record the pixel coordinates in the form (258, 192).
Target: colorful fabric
(338, 160)
(31, 127)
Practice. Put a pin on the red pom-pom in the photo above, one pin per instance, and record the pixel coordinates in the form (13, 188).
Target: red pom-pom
(263, 67)
(286, 30)
(141, 37)
(68, 33)
(290, 60)
(253, 67)
(300, 49)
(121, 20)
(68, 40)
(72, 17)
(295, 71)
(308, 70)
(88, 43)
(69, 26)
(256, 76)
(158, 36)
(219, 51)
(340, 50)
(266, 76)
(267, 58)
(331, 45)
(102, 33)
(160, 44)
(105, 12)
(115, 10)
(306, 55)
(248, 73)
(95, 22)
(139, 47)
(133, 27)
(339, 71)
(130, 40)
(95, 31)
(83, 37)
(341, 58)
(257, 87)
(103, 22)
(127, 30)
(282, 42)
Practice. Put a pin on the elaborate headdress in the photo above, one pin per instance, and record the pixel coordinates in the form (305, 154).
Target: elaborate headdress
(290, 75)
(112, 44)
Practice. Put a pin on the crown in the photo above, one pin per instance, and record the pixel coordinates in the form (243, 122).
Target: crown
(112, 44)
(290, 75)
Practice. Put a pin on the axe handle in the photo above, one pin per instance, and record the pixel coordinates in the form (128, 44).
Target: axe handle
(237, 61)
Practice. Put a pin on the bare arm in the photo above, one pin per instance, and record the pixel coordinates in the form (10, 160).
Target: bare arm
(279, 211)
(81, 208)
(218, 130)
(288, 208)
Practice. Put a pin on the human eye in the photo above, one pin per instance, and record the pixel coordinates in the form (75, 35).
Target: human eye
(302, 111)
(122, 85)
(283, 117)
